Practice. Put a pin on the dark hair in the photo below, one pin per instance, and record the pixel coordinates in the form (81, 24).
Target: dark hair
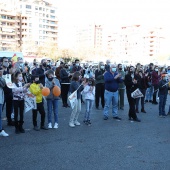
(50, 72)
(2, 59)
(33, 77)
(15, 75)
(92, 80)
(76, 76)
(77, 60)
(118, 65)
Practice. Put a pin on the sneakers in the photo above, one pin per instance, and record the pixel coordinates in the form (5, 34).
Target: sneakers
(77, 123)
(117, 118)
(105, 117)
(87, 122)
(3, 133)
(49, 126)
(44, 128)
(56, 126)
(71, 124)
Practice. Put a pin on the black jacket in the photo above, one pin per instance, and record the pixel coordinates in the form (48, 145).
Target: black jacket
(64, 78)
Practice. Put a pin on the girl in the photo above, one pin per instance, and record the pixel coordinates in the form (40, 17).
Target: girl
(75, 85)
(18, 101)
(89, 92)
(52, 101)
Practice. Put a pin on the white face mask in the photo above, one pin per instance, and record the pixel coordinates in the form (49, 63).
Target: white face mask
(113, 69)
(156, 69)
(77, 64)
(20, 78)
(102, 67)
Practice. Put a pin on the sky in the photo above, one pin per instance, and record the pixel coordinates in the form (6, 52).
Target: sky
(111, 14)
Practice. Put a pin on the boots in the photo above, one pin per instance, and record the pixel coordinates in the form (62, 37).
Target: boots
(143, 110)
(20, 127)
(17, 127)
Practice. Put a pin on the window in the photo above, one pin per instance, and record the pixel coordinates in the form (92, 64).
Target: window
(30, 25)
(3, 17)
(52, 11)
(28, 6)
(51, 16)
(43, 26)
(40, 8)
(43, 20)
(36, 8)
(40, 25)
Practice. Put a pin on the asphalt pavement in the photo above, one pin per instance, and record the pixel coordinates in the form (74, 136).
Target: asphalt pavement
(105, 145)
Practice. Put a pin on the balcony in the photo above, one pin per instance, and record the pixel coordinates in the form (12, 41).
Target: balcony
(8, 20)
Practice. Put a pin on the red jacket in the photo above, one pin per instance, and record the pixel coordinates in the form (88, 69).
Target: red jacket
(155, 78)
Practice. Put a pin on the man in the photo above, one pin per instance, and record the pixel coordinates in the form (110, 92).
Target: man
(57, 72)
(107, 66)
(77, 66)
(42, 71)
(121, 87)
(7, 93)
(112, 80)
(149, 91)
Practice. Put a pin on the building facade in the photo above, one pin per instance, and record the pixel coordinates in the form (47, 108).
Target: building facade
(35, 22)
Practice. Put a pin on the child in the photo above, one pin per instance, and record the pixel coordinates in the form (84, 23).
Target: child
(89, 92)
(75, 84)
(52, 101)
(35, 89)
(18, 101)
(163, 91)
(2, 84)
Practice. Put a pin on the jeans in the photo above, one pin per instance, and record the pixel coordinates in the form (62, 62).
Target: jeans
(52, 105)
(0, 116)
(162, 103)
(89, 105)
(40, 108)
(18, 111)
(121, 98)
(111, 97)
(76, 111)
(64, 93)
(149, 93)
(155, 92)
(99, 93)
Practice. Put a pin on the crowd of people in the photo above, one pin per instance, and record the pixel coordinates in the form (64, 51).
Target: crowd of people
(102, 86)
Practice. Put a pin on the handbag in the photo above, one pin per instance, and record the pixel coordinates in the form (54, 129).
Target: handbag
(136, 94)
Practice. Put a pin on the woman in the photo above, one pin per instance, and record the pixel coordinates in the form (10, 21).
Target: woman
(132, 83)
(65, 85)
(155, 82)
(99, 92)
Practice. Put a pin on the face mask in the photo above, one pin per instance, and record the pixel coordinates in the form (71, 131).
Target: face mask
(50, 79)
(26, 64)
(20, 78)
(5, 64)
(21, 64)
(120, 69)
(10, 66)
(77, 64)
(156, 69)
(165, 79)
(37, 82)
(131, 71)
(44, 64)
(90, 83)
(113, 69)
(102, 67)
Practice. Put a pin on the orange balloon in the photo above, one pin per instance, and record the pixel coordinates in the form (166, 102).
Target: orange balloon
(56, 91)
(45, 91)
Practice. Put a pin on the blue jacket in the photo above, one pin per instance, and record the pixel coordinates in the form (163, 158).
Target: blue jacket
(74, 86)
(111, 84)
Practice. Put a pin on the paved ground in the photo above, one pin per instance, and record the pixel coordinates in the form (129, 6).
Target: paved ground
(106, 145)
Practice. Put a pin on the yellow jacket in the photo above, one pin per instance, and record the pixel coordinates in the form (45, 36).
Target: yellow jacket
(36, 91)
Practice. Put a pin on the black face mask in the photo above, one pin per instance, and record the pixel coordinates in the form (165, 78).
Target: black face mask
(35, 64)
(66, 67)
(26, 64)
(120, 69)
(50, 79)
(37, 82)
(10, 66)
(44, 64)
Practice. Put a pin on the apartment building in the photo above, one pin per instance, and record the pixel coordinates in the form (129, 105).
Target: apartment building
(135, 43)
(90, 36)
(10, 35)
(35, 22)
